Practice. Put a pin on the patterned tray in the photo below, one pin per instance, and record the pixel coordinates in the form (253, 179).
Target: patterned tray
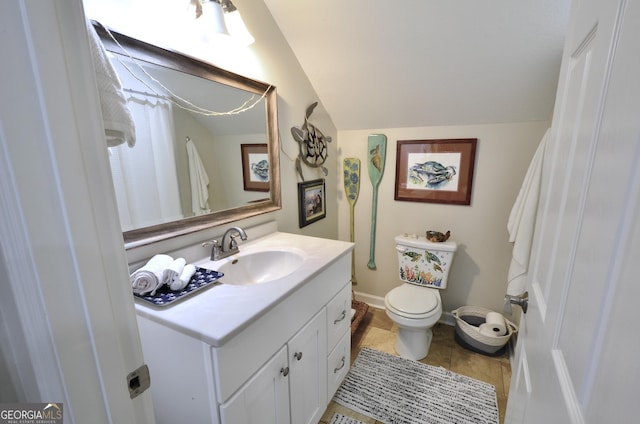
(165, 296)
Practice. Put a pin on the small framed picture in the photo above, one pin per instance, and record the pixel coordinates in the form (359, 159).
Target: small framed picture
(311, 201)
(435, 171)
(255, 167)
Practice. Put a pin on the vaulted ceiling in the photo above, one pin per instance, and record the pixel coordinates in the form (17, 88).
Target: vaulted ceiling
(411, 63)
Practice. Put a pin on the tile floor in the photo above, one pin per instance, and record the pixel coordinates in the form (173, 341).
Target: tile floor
(377, 331)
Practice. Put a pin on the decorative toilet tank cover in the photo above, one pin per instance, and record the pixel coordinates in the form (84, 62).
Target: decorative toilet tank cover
(424, 263)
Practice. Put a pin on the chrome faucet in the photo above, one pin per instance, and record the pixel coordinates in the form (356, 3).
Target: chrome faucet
(229, 245)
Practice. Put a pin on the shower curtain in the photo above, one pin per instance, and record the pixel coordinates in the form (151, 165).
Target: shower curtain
(144, 176)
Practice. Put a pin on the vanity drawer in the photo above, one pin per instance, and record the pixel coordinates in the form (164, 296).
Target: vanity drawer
(338, 364)
(338, 316)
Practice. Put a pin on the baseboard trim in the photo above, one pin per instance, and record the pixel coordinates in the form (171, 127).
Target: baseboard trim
(447, 318)
(378, 302)
(369, 299)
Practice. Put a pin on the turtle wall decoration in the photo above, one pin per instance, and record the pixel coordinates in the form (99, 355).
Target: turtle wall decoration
(312, 144)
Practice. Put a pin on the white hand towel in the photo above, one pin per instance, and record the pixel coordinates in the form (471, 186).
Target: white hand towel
(149, 278)
(173, 271)
(185, 277)
(118, 122)
(199, 181)
(522, 220)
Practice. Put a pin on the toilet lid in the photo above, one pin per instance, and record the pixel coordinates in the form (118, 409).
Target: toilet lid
(412, 299)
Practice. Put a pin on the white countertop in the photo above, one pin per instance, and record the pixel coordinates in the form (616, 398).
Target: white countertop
(217, 313)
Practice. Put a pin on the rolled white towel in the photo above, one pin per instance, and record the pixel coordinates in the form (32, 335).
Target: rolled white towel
(185, 277)
(173, 271)
(149, 278)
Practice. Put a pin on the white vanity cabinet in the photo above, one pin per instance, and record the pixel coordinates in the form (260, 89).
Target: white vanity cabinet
(290, 387)
(281, 367)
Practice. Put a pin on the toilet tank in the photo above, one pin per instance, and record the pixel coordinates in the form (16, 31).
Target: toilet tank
(424, 263)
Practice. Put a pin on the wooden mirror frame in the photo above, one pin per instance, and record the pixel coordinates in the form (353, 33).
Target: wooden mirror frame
(179, 62)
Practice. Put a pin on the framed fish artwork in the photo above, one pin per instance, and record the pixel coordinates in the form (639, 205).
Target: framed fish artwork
(255, 167)
(435, 171)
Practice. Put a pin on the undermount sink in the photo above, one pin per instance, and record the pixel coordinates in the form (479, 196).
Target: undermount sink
(259, 267)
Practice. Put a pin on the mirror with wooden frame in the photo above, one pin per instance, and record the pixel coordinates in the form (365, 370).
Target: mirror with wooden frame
(177, 100)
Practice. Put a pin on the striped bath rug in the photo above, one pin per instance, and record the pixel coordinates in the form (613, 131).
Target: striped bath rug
(341, 419)
(395, 390)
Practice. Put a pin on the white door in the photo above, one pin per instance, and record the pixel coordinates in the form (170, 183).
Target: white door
(578, 346)
(68, 325)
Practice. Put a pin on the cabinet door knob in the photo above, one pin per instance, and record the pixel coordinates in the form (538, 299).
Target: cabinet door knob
(298, 355)
(284, 371)
(342, 364)
(342, 316)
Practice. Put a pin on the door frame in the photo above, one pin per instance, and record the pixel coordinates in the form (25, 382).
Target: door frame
(67, 312)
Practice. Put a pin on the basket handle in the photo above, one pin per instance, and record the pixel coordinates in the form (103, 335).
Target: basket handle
(512, 326)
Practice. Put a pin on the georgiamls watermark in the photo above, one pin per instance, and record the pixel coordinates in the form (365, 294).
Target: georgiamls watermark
(31, 413)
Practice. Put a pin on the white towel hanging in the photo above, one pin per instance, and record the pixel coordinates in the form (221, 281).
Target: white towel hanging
(199, 181)
(522, 221)
(118, 122)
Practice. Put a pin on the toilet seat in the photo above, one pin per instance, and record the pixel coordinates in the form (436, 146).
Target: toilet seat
(412, 301)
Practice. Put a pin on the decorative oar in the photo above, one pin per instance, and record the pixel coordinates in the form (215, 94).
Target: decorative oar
(377, 145)
(351, 167)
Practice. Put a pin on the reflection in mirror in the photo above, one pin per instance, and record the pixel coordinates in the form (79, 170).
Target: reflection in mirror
(185, 172)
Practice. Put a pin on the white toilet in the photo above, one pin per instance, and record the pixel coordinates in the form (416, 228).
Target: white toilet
(416, 305)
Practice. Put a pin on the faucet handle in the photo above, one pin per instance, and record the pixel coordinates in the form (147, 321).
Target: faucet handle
(215, 249)
(211, 243)
(233, 244)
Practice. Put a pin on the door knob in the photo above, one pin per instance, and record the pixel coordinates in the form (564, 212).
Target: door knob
(298, 355)
(520, 300)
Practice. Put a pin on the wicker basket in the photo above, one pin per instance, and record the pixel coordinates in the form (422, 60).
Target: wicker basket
(468, 318)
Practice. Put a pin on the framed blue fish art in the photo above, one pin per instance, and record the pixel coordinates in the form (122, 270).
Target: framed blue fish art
(255, 167)
(435, 171)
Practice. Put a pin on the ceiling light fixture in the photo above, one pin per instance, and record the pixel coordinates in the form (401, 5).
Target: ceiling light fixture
(210, 21)
(235, 25)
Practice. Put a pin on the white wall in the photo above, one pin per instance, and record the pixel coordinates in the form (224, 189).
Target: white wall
(479, 271)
